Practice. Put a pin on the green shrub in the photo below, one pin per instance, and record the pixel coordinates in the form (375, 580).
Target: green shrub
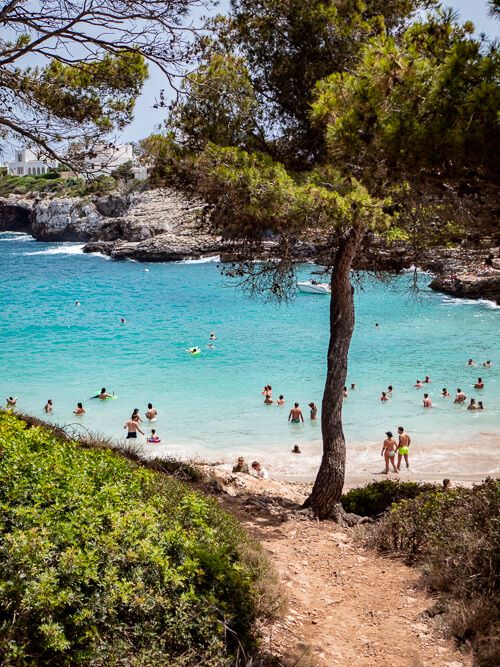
(377, 497)
(455, 537)
(104, 562)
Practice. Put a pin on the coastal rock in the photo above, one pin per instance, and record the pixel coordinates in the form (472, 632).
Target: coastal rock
(65, 220)
(16, 215)
(470, 286)
(113, 205)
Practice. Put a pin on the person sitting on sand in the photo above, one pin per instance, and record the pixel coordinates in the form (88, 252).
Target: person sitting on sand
(151, 413)
(296, 415)
(103, 395)
(480, 405)
(427, 401)
(384, 397)
(79, 410)
(241, 466)
(11, 400)
(296, 450)
(470, 363)
(427, 379)
(259, 471)
(403, 447)
(479, 384)
(389, 452)
(418, 384)
(132, 426)
(153, 438)
(472, 405)
(446, 485)
(314, 410)
(460, 397)
(487, 364)
(281, 400)
(445, 393)
(268, 399)
(48, 406)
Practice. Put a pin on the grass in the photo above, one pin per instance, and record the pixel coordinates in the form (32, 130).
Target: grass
(107, 562)
(52, 183)
(454, 538)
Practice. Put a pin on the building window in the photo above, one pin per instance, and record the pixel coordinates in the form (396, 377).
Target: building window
(19, 157)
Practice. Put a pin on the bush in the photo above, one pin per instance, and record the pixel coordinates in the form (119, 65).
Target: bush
(455, 538)
(108, 563)
(374, 499)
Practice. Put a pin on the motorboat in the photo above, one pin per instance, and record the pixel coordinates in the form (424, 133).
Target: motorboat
(313, 287)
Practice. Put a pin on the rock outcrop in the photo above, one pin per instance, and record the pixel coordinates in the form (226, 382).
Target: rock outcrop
(469, 286)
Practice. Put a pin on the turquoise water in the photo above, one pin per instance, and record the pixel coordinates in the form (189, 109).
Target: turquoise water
(211, 405)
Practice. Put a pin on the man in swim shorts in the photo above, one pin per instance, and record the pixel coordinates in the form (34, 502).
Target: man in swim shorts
(296, 415)
(427, 401)
(403, 447)
(132, 426)
(460, 397)
(389, 452)
(151, 412)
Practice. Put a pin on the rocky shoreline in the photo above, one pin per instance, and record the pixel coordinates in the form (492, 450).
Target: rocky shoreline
(163, 225)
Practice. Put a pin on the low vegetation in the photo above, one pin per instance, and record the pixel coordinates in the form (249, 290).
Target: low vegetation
(52, 183)
(105, 562)
(376, 498)
(455, 538)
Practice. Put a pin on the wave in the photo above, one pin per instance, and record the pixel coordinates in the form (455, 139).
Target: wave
(456, 301)
(15, 236)
(201, 260)
(61, 249)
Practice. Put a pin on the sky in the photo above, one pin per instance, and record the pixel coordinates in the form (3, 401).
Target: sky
(147, 118)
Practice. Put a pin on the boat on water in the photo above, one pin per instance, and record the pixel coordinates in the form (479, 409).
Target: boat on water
(313, 287)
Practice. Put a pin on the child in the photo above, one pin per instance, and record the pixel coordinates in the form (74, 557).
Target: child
(154, 438)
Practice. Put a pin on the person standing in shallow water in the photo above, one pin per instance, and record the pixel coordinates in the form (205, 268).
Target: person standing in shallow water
(403, 447)
(389, 452)
(314, 410)
(132, 426)
(296, 415)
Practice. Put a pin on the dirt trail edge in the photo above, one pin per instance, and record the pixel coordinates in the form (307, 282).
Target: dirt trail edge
(347, 605)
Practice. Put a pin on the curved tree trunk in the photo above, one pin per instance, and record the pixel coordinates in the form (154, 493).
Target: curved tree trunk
(325, 496)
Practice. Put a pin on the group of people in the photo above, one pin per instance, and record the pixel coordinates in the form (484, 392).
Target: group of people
(295, 415)
(390, 448)
(256, 469)
(132, 425)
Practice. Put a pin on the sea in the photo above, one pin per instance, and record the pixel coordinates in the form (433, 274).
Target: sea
(211, 406)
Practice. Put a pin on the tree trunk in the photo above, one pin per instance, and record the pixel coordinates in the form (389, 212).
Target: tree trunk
(325, 497)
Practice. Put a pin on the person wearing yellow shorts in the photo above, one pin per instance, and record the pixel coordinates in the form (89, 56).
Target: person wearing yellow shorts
(403, 447)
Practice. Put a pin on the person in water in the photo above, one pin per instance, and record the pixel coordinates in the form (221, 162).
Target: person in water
(11, 400)
(418, 384)
(479, 384)
(296, 450)
(153, 437)
(132, 426)
(103, 395)
(268, 399)
(194, 350)
(48, 407)
(345, 392)
(314, 410)
(427, 379)
(281, 400)
(384, 397)
(296, 415)
(445, 393)
(79, 410)
(136, 414)
(213, 336)
(403, 447)
(470, 363)
(427, 401)
(353, 386)
(151, 413)
(77, 303)
(389, 391)
(487, 364)
(241, 466)
(460, 397)
(480, 405)
(122, 320)
(389, 452)
(472, 405)
(259, 471)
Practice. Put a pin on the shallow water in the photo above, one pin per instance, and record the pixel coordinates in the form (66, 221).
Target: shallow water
(211, 405)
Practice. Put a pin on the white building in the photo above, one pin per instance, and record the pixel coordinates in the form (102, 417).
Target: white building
(27, 163)
(108, 158)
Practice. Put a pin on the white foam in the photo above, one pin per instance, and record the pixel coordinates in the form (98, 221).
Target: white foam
(456, 301)
(15, 236)
(62, 249)
(201, 260)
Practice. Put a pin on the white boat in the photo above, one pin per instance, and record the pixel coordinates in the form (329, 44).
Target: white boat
(313, 287)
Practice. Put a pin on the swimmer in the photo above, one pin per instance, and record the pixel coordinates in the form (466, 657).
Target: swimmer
(259, 471)
(389, 391)
(460, 397)
(281, 400)
(314, 410)
(384, 397)
(389, 452)
(377, 324)
(153, 437)
(345, 392)
(213, 336)
(103, 395)
(487, 364)
(132, 426)
(480, 405)
(210, 346)
(79, 410)
(427, 401)
(418, 384)
(135, 414)
(296, 450)
(403, 447)
(470, 363)
(193, 350)
(479, 384)
(296, 415)
(122, 320)
(353, 386)
(268, 399)
(151, 413)
(11, 400)
(77, 303)
(445, 393)
(427, 379)
(48, 406)
(472, 405)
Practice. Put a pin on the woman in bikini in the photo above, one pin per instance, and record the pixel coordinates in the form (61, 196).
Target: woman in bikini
(389, 449)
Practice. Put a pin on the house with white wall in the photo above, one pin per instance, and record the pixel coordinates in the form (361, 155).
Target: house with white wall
(27, 163)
